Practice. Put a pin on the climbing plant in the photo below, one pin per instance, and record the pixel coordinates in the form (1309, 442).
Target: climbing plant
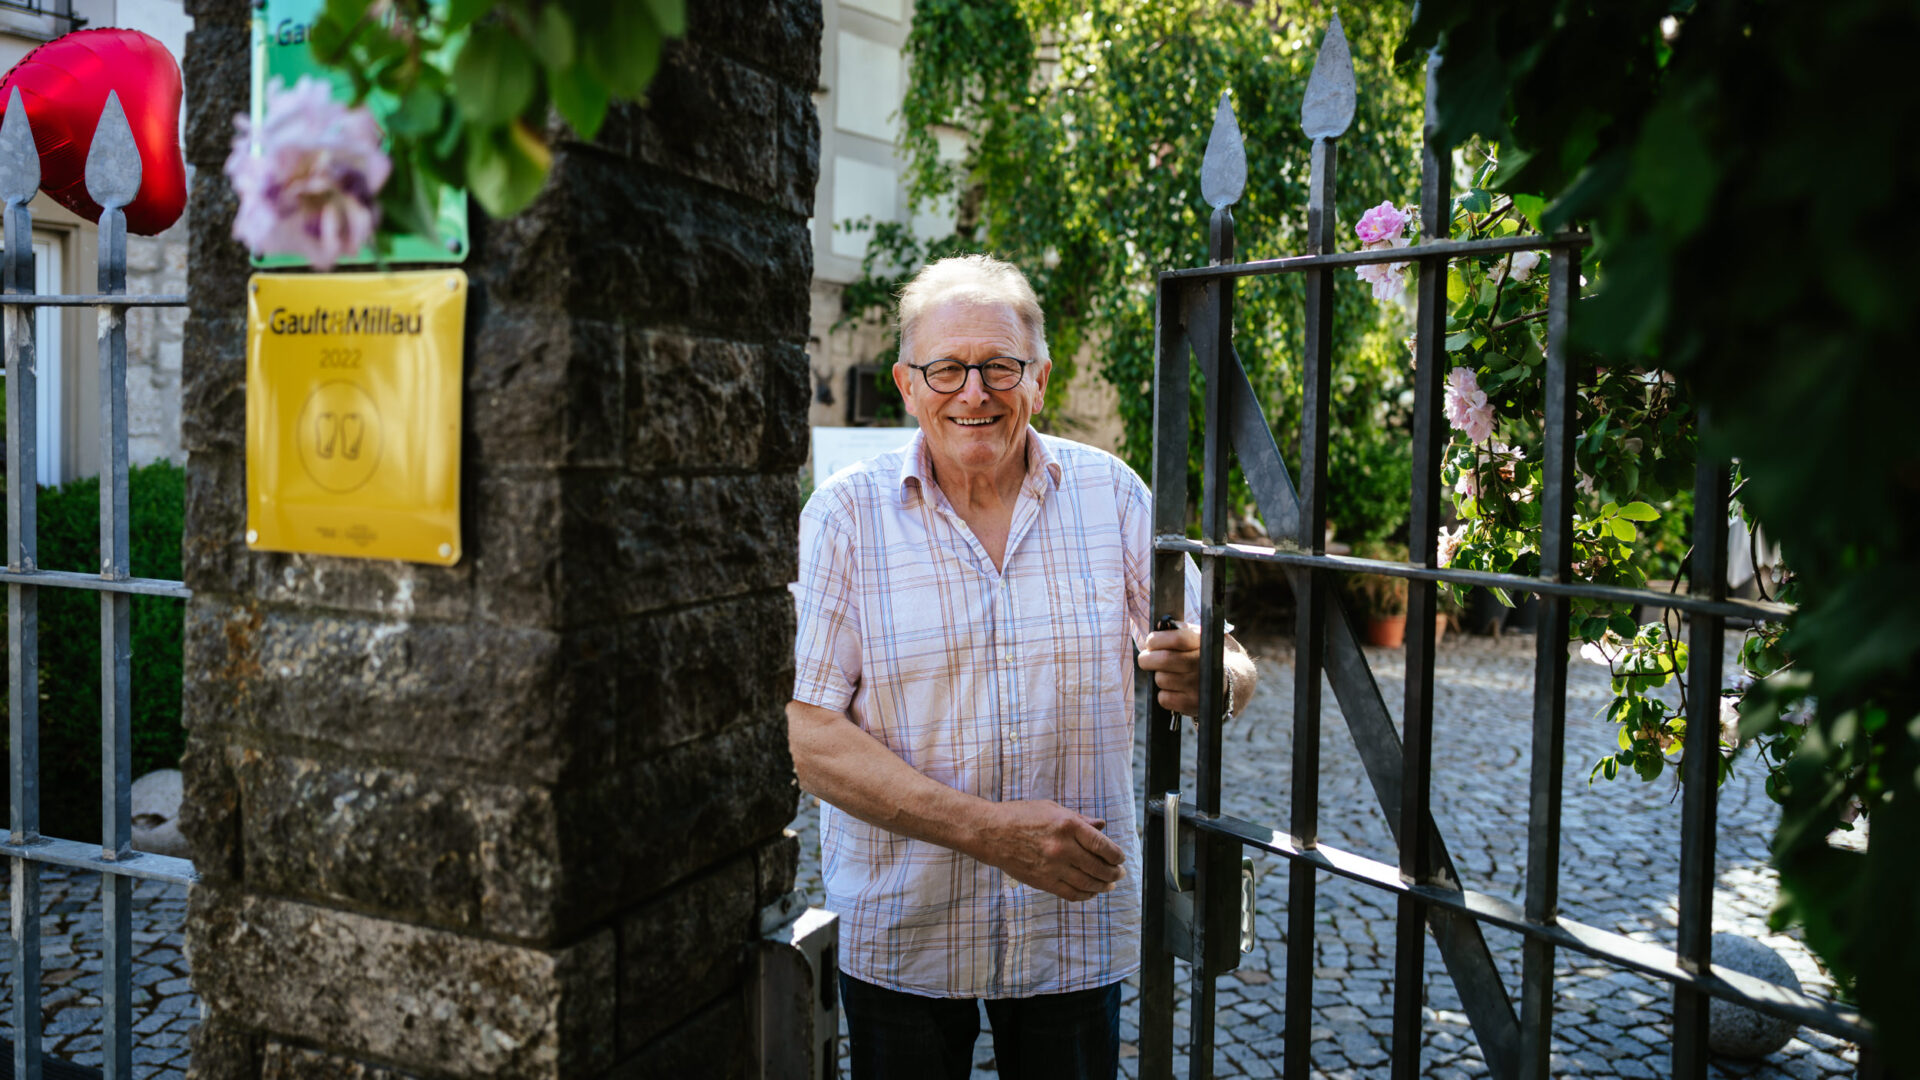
(1744, 166)
(1085, 125)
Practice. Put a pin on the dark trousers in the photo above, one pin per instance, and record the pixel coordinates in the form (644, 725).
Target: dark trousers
(900, 1036)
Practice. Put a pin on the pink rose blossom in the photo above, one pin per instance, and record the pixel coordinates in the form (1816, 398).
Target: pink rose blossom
(1389, 280)
(1467, 407)
(1381, 225)
(311, 187)
(1384, 226)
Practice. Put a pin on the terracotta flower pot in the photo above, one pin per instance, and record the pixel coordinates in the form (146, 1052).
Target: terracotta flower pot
(1387, 631)
(1439, 626)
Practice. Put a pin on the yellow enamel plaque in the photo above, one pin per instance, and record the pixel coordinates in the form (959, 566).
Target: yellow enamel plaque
(353, 414)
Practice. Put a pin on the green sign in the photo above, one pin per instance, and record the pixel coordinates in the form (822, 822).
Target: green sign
(280, 51)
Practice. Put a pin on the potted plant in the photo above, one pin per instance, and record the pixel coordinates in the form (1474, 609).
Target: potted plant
(1379, 602)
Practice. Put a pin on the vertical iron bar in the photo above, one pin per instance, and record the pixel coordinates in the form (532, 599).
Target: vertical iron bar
(1416, 848)
(1311, 611)
(1700, 762)
(1213, 582)
(113, 179)
(1549, 677)
(1170, 419)
(116, 656)
(23, 628)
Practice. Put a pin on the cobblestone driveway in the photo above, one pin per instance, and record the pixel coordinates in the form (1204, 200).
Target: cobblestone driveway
(1620, 867)
(164, 1007)
(1620, 870)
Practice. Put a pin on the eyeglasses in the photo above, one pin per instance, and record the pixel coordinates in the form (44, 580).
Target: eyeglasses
(948, 376)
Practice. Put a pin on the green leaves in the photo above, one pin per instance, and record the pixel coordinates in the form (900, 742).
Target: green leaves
(621, 43)
(470, 83)
(494, 76)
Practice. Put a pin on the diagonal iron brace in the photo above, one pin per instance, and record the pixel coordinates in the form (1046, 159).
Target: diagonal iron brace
(1463, 947)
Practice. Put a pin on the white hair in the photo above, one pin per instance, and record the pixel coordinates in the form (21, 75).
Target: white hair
(973, 279)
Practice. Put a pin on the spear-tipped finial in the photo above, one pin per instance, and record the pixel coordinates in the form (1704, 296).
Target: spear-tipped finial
(1223, 173)
(19, 158)
(1328, 108)
(113, 164)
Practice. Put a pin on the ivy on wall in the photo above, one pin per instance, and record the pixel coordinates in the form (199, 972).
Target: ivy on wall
(1086, 124)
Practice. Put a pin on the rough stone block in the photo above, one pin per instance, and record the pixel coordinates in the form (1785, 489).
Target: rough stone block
(210, 807)
(799, 151)
(681, 671)
(224, 11)
(213, 554)
(707, 117)
(283, 1062)
(683, 950)
(679, 254)
(471, 693)
(413, 996)
(642, 543)
(775, 867)
(703, 802)
(515, 547)
(213, 386)
(784, 444)
(419, 844)
(543, 390)
(217, 264)
(694, 402)
(710, 1045)
(218, 62)
(384, 587)
(782, 36)
(222, 1052)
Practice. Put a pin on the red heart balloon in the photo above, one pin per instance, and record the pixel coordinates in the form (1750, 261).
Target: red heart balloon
(63, 86)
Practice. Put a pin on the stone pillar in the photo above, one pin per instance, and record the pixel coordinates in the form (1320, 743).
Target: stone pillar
(516, 817)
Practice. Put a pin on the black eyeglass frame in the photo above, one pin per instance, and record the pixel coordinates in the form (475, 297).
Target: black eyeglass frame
(981, 367)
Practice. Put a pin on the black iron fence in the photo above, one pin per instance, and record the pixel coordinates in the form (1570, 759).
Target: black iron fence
(113, 179)
(1194, 852)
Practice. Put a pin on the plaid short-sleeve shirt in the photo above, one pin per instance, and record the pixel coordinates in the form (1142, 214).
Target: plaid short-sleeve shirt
(1009, 683)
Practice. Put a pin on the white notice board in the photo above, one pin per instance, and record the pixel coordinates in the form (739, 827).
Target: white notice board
(835, 448)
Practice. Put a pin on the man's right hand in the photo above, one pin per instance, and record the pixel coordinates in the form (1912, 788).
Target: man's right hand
(1040, 843)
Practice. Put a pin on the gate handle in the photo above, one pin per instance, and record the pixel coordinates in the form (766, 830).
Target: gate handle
(1170, 821)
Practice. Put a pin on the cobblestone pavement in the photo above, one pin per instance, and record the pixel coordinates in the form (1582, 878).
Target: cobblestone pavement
(1620, 871)
(164, 1007)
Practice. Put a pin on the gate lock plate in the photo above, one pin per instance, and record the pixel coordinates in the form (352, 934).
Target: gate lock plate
(1229, 921)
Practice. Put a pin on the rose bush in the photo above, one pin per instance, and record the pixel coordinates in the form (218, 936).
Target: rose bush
(309, 178)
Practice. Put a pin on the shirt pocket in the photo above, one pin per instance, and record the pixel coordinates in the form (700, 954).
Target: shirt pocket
(1087, 633)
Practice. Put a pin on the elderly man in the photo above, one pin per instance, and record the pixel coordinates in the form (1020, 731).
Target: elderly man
(963, 704)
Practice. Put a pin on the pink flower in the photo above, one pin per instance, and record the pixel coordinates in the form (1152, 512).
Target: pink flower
(1450, 540)
(1381, 225)
(308, 177)
(1389, 280)
(1467, 407)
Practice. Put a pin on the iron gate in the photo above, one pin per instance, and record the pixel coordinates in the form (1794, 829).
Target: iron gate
(113, 179)
(1193, 852)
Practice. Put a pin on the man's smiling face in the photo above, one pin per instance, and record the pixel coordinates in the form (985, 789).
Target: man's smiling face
(975, 429)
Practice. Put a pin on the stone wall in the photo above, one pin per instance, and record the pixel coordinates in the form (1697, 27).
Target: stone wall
(515, 817)
(155, 264)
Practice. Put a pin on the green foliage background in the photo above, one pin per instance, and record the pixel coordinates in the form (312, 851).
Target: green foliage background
(1127, 108)
(69, 534)
(1747, 171)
